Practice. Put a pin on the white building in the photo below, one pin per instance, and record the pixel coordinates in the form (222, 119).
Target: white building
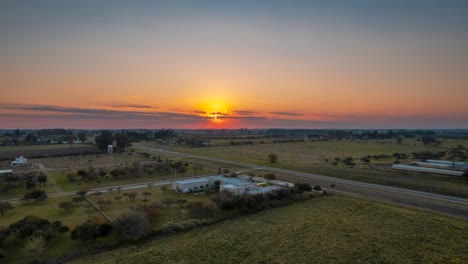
(235, 185)
(193, 185)
(6, 172)
(19, 162)
(110, 149)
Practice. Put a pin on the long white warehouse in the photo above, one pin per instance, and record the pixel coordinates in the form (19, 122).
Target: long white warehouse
(428, 170)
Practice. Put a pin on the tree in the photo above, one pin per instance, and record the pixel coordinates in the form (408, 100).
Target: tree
(304, 187)
(365, 160)
(122, 140)
(77, 200)
(83, 174)
(273, 158)
(5, 206)
(82, 193)
(30, 225)
(133, 225)
(30, 138)
(104, 204)
(34, 245)
(31, 182)
(118, 198)
(92, 229)
(317, 188)
(399, 140)
(102, 172)
(104, 139)
(145, 194)
(151, 212)
(38, 195)
(82, 136)
(217, 185)
(132, 196)
(42, 179)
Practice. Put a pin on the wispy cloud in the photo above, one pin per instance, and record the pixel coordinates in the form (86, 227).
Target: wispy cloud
(245, 112)
(286, 113)
(132, 106)
(95, 113)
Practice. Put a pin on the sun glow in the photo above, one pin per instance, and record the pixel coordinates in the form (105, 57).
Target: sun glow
(215, 111)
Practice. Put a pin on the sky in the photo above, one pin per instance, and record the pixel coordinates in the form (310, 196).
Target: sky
(233, 64)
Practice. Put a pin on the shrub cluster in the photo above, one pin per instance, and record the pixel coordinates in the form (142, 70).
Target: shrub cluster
(254, 202)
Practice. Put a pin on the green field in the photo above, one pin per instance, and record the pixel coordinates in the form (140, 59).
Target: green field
(332, 229)
(50, 210)
(58, 167)
(310, 157)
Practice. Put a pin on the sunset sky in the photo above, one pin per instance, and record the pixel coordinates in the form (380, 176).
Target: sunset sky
(214, 64)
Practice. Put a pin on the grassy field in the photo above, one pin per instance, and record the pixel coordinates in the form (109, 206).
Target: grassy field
(310, 157)
(58, 167)
(332, 229)
(172, 214)
(49, 209)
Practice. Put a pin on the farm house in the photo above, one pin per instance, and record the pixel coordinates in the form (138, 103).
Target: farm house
(19, 162)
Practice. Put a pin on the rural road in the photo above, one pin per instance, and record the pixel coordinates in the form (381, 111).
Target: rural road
(427, 201)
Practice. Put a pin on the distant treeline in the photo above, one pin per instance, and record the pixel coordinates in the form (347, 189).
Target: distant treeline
(364, 134)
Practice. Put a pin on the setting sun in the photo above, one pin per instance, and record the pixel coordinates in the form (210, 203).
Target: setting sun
(215, 111)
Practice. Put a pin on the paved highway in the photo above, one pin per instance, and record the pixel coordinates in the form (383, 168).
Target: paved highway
(422, 200)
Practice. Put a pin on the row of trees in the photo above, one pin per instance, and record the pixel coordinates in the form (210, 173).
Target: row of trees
(29, 180)
(124, 139)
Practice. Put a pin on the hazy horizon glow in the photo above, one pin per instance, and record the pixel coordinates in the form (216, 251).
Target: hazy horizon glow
(207, 64)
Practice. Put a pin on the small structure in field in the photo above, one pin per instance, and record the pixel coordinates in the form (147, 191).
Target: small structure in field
(110, 149)
(21, 161)
(6, 172)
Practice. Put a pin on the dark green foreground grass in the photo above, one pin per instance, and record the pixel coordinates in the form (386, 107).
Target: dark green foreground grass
(331, 229)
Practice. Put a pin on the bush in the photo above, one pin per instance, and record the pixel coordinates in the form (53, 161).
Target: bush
(34, 245)
(183, 226)
(304, 187)
(30, 225)
(273, 158)
(152, 211)
(133, 225)
(269, 176)
(38, 195)
(92, 229)
(201, 210)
